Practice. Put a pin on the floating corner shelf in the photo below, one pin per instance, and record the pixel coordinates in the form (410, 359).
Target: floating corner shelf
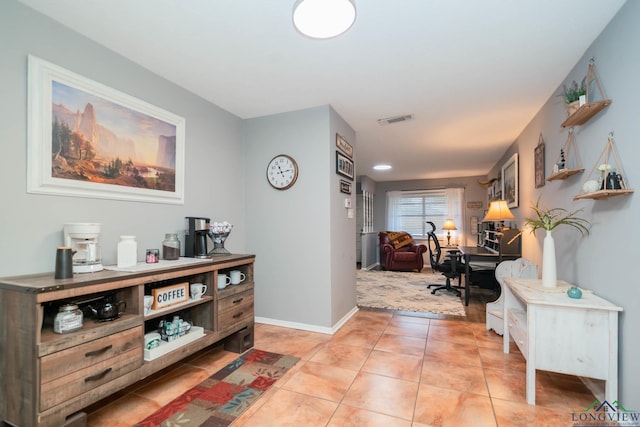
(573, 159)
(599, 173)
(603, 194)
(564, 174)
(585, 113)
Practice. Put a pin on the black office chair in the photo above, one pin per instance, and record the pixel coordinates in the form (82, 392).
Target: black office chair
(451, 267)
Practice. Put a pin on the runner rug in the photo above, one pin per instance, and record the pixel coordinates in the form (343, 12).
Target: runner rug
(406, 291)
(225, 395)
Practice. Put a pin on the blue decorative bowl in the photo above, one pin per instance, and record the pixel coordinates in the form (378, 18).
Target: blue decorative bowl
(574, 292)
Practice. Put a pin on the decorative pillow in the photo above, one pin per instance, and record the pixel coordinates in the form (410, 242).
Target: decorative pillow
(398, 239)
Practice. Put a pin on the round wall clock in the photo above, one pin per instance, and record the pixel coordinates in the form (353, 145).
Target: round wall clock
(282, 172)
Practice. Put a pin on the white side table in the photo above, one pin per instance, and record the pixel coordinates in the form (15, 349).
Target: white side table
(519, 268)
(560, 334)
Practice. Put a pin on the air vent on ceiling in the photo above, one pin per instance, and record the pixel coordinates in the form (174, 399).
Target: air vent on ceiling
(397, 119)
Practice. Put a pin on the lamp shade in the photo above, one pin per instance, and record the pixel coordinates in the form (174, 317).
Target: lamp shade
(323, 19)
(449, 225)
(498, 211)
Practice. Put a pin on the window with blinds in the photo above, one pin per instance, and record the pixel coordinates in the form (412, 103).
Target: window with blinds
(410, 210)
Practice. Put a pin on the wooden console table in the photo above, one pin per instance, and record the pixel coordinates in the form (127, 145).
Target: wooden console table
(50, 376)
(560, 334)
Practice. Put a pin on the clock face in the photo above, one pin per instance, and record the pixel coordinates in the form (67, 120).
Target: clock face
(282, 172)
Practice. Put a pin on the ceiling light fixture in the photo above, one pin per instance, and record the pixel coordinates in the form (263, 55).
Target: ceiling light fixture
(382, 167)
(323, 19)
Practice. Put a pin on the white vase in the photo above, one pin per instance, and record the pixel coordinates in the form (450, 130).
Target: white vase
(549, 276)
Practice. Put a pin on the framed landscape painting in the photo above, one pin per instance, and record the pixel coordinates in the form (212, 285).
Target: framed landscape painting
(88, 140)
(510, 181)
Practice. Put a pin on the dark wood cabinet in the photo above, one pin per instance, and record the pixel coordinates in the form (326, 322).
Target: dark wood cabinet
(49, 376)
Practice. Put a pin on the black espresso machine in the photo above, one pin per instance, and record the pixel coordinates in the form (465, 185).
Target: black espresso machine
(195, 236)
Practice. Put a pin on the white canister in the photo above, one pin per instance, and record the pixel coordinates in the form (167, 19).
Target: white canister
(127, 251)
(151, 340)
(68, 319)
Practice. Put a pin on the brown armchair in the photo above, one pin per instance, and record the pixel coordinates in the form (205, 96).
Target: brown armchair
(399, 252)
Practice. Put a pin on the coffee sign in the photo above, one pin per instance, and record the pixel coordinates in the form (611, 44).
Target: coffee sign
(170, 295)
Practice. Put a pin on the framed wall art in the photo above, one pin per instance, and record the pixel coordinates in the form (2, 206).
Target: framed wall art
(538, 156)
(510, 181)
(344, 166)
(343, 145)
(89, 140)
(345, 187)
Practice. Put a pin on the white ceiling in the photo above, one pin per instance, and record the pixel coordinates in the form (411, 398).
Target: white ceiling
(473, 72)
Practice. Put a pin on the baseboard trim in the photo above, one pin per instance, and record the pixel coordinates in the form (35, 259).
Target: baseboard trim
(371, 267)
(306, 326)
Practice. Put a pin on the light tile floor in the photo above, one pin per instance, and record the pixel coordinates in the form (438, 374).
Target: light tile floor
(379, 369)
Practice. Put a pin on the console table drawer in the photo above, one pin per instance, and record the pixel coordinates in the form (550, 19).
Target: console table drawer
(64, 388)
(64, 362)
(235, 301)
(236, 312)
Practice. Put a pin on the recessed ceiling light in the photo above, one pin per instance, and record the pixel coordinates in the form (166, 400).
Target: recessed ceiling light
(382, 167)
(323, 19)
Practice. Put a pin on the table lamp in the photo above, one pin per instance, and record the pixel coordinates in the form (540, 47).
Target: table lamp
(449, 225)
(498, 211)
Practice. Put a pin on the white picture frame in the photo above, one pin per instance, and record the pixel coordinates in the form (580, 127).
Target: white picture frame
(97, 165)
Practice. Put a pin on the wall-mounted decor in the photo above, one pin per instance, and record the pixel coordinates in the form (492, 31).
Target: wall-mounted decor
(474, 205)
(345, 187)
(538, 155)
(494, 191)
(343, 145)
(473, 223)
(510, 181)
(344, 166)
(88, 140)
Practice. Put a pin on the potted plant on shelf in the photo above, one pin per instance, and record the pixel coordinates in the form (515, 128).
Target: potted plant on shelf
(572, 94)
(549, 219)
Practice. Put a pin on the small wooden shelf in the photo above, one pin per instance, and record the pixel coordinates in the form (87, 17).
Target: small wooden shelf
(177, 307)
(165, 347)
(599, 174)
(585, 113)
(603, 194)
(564, 174)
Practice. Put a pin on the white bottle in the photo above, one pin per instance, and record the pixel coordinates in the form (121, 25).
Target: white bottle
(127, 251)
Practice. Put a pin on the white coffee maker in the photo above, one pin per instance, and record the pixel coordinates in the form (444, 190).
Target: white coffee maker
(82, 238)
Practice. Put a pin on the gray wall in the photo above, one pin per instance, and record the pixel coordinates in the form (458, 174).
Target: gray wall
(305, 245)
(31, 224)
(291, 232)
(343, 228)
(603, 261)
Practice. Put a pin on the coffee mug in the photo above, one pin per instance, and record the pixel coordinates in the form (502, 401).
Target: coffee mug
(64, 263)
(237, 276)
(197, 290)
(223, 281)
(148, 302)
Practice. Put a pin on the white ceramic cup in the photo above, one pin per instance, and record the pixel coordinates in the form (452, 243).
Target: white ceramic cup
(197, 290)
(237, 276)
(148, 302)
(223, 281)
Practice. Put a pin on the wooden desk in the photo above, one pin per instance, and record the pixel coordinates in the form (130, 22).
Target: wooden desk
(487, 258)
(559, 334)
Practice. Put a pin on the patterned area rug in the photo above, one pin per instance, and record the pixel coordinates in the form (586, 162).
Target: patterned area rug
(225, 395)
(406, 291)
